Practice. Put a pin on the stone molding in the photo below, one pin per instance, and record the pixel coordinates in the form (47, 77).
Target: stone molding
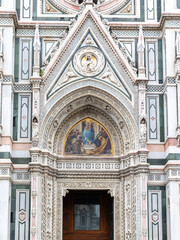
(119, 121)
(125, 186)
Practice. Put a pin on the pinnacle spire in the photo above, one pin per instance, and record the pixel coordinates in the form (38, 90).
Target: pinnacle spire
(36, 39)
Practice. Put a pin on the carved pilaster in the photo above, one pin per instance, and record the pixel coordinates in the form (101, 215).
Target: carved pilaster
(142, 84)
(122, 208)
(33, 235)
(178, 108)
(54, 207)
(177, 69)
(35, 81)
(1, 79)
(144, 221)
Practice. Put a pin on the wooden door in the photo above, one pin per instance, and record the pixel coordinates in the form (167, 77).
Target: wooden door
(87, 215)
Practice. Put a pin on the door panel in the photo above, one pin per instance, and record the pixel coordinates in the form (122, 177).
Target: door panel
(87, 198)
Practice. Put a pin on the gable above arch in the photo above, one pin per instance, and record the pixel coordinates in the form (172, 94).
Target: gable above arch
(89, 52)
(89, 61)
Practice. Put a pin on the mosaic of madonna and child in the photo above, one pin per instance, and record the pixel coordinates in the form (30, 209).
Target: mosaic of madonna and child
(88, 138)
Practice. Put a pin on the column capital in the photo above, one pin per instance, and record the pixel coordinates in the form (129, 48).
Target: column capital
(142, 83)
(36, 82)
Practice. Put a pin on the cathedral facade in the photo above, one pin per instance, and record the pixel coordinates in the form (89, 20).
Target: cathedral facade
(89, 120)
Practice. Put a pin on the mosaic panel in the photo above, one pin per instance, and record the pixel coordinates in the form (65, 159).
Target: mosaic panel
(6, 21)
(172, 23)
(42, 32)
(136, 33)
(7, 78)
(155, 88)
(171, 80)
(23, 88)
(88, 138)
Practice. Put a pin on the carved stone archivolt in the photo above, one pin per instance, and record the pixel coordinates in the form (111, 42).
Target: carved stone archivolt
(93, 103)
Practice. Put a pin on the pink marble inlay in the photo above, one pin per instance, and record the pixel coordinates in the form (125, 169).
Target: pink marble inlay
(34, 183)
(144, 205)
(34, 202)
(33, 221)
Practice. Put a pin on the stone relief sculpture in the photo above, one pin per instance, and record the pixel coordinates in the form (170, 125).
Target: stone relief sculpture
(35, 127)
(89, 62)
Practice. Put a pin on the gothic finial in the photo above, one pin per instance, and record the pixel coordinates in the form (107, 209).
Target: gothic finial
(140, 49)
(37, 46)
(140, 45)
(36, 39)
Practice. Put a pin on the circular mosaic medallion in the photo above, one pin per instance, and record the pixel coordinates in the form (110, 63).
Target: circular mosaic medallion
(89, 61)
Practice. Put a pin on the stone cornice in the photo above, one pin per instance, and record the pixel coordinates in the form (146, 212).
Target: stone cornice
(87, 174)
(113, 25)
(146, 26)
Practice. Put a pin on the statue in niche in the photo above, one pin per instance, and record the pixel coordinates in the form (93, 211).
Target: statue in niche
(35, 127)
(143, 132)
(143, 128)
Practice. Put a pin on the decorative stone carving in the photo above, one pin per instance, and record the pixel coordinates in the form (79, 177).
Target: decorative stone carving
(22, 216)
(108, 75)
(89, 61)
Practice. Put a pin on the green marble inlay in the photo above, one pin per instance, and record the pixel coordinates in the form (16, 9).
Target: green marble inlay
(156, 161)
(21, 160)
(160, 61)
(5, 155)
(163, 202)
(16, 65)
(15, 117)
(18, 8)
(13, 208)
(178, 3)
(171, 156)
(161, 116)
(158, 10)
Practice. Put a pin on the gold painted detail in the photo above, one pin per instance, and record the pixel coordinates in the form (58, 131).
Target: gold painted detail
(88, 137)
(128, 9)
(49, 8)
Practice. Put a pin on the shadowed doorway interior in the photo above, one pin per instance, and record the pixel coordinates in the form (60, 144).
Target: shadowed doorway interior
(88, 215)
